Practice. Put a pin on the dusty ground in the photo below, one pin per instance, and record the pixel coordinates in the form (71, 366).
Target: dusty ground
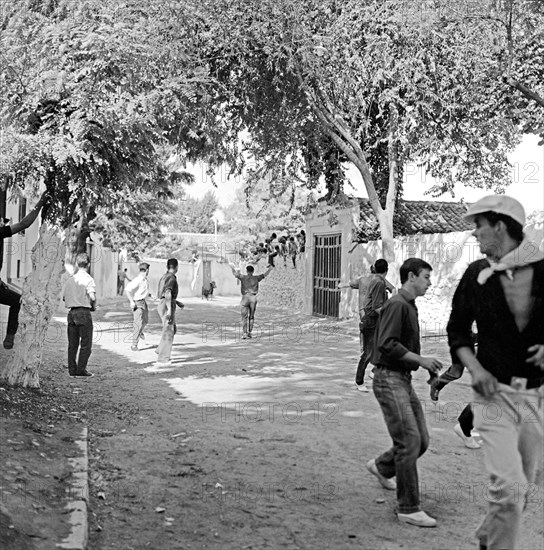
(255, 444)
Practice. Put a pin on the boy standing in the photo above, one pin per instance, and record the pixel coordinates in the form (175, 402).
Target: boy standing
(167, 293)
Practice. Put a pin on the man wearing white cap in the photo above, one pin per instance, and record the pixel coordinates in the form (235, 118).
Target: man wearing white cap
(504, 295)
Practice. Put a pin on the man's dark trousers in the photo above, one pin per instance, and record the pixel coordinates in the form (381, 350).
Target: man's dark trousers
(80, 336)
(405, 422)
(12, 299)
(367, 328)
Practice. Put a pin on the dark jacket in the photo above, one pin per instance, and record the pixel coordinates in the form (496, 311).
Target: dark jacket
(502, 348)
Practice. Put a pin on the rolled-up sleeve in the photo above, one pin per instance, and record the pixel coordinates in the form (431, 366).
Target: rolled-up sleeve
(462, 316)
(392, 318)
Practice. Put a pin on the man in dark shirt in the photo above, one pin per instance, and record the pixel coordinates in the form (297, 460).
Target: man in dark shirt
(167, 294)
(396, 354)
(249, 288)
(9, 297)
(504, 295)
(373, 302)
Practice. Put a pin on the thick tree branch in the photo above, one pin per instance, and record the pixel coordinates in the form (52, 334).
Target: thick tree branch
(527, 92)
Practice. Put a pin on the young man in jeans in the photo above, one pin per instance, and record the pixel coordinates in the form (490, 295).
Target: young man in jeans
(396, 354)
(504, 295)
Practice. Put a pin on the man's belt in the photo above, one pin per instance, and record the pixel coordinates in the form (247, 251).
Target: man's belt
(525, 383)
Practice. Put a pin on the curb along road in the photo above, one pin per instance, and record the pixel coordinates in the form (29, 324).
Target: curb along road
(78, 496)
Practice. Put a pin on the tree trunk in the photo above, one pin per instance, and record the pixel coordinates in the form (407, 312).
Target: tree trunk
(385, 220)
(41, 291)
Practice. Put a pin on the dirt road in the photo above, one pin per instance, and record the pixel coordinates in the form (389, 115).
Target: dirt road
(259, 444)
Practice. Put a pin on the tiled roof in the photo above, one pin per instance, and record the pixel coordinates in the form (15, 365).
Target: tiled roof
(413, 217)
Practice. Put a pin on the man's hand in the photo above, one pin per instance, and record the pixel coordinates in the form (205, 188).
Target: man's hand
(133, 305)
(537, 357)
(483, 381)
(432, 364)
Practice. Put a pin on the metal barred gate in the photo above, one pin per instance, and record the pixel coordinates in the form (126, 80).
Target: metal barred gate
(327, 262)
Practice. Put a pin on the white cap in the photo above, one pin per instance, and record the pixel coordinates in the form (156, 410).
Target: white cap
(500, 204)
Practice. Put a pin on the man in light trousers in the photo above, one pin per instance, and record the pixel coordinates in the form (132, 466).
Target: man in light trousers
(137, 291)
(504, 295)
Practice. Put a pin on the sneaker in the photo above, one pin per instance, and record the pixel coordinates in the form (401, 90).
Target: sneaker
(167, 364)
(361, 388)
(249, 335)
(387, 483)
(84, 374)
(134, 348)
(8, 340)
(421, 519)
(142, 336)
(469, 442)
(244, 336)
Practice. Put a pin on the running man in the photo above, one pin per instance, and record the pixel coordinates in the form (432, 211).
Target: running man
(249, 288)
(137, 292)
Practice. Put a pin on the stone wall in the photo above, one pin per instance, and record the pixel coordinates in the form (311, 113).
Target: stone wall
(284, 287)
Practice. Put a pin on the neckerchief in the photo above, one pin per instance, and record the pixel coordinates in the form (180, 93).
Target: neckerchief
(521, 256)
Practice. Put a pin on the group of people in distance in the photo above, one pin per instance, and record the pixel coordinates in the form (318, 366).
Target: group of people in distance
(286, 247)
(503, 294)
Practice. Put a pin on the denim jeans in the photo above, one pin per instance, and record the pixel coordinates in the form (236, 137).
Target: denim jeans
(367, 336)
(510, 425)
(80, 336)
(12, 299)
(405, 422)
(168, 331)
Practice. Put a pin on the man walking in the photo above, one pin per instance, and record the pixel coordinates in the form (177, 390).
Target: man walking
(372, 296)
(122, 277)
(396, 354)
(9, 297)
(249, 287)
(80, 298)
(137, 291)
(167, 294)
(504, 295)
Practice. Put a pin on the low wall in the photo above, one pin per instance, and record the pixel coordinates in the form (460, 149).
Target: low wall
(189, 277)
